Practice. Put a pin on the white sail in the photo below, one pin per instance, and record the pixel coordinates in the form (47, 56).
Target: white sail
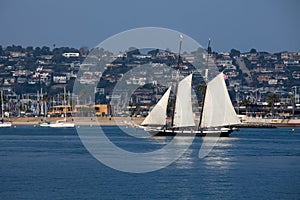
(218, 109)
(158, 114)
(183, 116)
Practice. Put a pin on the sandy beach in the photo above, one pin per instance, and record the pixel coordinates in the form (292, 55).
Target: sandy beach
(103, 121)
(135, 121)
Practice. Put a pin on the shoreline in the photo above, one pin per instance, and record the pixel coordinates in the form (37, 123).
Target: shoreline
(271, 121)
(80, 121)
(134, 121)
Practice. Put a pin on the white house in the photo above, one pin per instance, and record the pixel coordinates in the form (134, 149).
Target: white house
(69, 55)
(60, 79)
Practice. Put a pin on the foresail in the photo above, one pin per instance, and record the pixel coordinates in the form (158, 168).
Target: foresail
(183, 116)
(218, 109)
(158, 114)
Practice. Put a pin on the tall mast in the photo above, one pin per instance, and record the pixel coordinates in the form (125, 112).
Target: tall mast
(37, 103)
(65, 103)
(42, 103)
(179, 51)
(205, 87)
(177, 77)
(2, 104)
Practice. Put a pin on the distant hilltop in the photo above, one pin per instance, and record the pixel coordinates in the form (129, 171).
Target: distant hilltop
(252, 77)
(28, 69)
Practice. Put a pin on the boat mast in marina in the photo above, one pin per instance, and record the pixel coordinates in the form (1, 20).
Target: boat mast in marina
(3, 124)
(63, 123)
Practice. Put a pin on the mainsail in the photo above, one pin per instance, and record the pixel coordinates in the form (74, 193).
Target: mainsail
(183, 116)
(218, 109)
(158, 114)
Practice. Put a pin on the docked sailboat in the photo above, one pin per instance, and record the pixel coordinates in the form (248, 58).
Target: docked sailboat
(45, 123)
(3, 123)
(217, 115)
(63, 123)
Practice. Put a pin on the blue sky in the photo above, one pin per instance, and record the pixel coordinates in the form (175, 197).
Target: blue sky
(268, 25)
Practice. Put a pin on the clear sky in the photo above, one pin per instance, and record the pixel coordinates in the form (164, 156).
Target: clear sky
(267, 25)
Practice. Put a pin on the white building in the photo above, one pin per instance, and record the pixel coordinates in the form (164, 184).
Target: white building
(69, 55)
(60, 79)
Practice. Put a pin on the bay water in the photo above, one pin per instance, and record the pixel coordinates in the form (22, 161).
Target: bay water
(45, 163)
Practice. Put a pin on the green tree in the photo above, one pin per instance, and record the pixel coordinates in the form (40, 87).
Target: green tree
(29, 50)
(153, 52)
(45, 50)
(253, 50)
(271, 99)
(84, 51)
(246, 103)
(132, 51)
(37, 52)
(1, 51)
(234, 52)
(292, 98)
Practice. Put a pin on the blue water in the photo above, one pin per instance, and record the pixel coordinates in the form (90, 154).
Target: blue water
(42, 163)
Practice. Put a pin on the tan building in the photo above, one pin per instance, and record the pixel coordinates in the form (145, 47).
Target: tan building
(100, 109)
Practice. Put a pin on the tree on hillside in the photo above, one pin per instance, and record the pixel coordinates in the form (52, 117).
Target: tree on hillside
(246, 103)
(37, 52)
(253, 50)
(271, 99)
(153, 52)
(45, 50)
(84, 51)
(132, 51)
(29, 49)
(234, 52)
(15, 48)
(292, 98)
(1, 51)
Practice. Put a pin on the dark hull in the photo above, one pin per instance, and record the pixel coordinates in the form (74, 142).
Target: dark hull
(190, 133)
(225, 134)
(173, 133)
